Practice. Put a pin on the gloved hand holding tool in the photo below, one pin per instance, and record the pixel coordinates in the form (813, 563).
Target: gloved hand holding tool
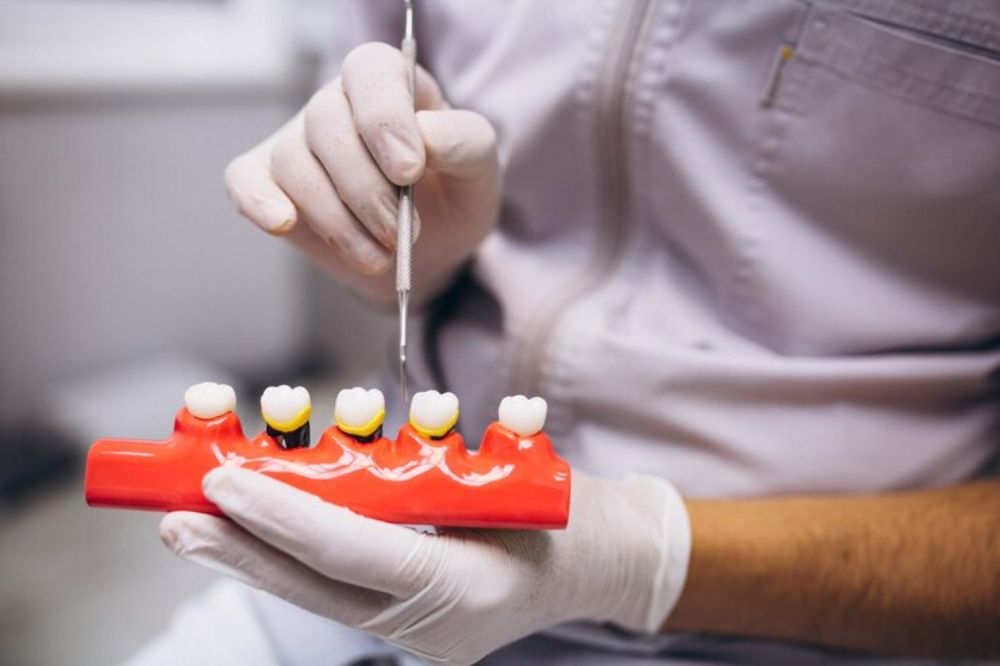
(457, 595)
(327, 180)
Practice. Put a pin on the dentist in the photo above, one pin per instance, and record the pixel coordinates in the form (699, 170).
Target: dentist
(746, 251)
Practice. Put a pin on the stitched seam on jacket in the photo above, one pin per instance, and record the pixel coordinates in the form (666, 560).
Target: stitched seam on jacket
(935, 20)
(879, 74)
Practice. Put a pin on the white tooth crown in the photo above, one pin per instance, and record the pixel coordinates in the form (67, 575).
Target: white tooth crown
(433, 414)
(523, 415)
(358, 411)
(209, 400)
(285, 408)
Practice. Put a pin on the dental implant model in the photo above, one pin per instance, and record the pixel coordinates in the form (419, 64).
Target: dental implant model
(209, 400)
(434, 414)
(525, 416)
(360, 413)
(424, 476)
(286, 412)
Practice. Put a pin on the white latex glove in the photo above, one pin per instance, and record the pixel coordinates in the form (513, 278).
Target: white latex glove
(327, 179)
(457, 595)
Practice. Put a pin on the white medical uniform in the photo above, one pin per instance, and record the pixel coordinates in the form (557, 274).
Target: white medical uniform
(751, 247)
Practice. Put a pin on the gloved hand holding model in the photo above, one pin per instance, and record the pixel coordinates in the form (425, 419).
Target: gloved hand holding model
(327, 179)
(457, 595)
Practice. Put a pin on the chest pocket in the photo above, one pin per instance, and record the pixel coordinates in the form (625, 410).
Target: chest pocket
(887, 177)
(947, 62)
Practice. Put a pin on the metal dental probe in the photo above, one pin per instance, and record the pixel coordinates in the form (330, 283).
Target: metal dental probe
(404, 218)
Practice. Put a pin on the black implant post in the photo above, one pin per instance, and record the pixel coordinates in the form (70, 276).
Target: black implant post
(296, 439)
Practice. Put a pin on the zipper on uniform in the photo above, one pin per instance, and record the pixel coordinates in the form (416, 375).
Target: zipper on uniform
(612, 132)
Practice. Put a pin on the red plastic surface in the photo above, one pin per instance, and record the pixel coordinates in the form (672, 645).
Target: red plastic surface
(511, 482)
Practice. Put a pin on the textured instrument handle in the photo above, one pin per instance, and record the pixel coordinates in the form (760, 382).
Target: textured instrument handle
(404, 218)
(404, 239)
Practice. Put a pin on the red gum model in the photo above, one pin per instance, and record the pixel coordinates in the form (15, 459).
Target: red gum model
(512, 482)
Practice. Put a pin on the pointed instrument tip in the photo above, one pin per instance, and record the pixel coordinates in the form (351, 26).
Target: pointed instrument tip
(404, 389)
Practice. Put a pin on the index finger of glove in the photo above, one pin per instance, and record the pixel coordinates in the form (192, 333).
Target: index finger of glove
(376, 83)
(327, 538)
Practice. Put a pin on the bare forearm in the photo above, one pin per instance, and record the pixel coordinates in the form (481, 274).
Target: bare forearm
(914, 573)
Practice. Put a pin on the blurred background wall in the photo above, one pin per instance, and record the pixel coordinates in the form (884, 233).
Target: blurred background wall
(118, 247)
(125, 275)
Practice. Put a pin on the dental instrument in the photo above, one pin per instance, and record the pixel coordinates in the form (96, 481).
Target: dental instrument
(404, 219)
